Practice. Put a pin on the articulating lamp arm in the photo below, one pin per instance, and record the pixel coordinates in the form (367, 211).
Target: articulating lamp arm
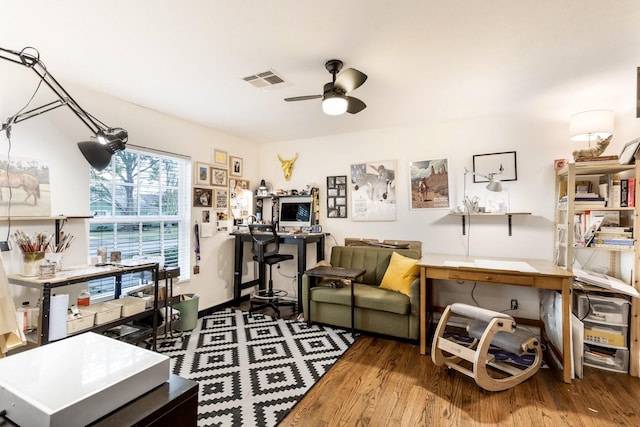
(34, 63)
(109, 140)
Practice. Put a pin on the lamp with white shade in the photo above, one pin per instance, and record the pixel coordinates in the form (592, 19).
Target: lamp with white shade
(588, 125)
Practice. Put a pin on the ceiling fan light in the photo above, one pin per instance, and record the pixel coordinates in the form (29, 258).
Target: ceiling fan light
(334, 104)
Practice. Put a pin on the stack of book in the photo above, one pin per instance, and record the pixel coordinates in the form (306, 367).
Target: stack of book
(584, 201)
(613, 238)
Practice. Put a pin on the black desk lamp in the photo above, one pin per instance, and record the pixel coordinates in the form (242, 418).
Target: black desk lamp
(108, 140)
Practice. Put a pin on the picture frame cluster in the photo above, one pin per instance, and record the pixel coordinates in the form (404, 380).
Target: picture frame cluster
(212, 186)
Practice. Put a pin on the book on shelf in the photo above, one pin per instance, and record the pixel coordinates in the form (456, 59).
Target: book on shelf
(624, 193)
(611, 229)
(631, 193)
(622, 235)
(597, 159)
(613, 242)
(609, 218)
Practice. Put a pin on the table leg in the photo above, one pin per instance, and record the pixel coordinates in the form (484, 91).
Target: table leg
(237, 269)
(353, 304)
(423, 310)
(566, 331)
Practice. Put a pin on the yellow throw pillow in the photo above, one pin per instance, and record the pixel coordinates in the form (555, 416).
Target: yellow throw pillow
(400, 273)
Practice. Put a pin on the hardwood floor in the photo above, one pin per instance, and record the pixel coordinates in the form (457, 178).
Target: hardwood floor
(383, 382)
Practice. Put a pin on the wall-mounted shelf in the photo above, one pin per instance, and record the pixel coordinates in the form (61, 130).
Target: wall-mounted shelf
(507, 214)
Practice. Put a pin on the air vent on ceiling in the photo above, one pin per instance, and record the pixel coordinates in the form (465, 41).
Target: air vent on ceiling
(265, 79)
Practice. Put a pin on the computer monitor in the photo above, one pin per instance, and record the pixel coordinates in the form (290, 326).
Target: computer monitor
(295, 212)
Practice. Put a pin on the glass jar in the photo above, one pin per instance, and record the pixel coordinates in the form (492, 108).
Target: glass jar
(84, 299)
(31, 262)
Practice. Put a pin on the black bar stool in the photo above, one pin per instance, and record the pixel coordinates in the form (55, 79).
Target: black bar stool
(266, 244)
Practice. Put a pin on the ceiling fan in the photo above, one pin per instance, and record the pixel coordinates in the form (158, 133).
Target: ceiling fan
(334, 98)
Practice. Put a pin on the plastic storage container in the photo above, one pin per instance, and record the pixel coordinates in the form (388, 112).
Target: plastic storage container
(105, 312)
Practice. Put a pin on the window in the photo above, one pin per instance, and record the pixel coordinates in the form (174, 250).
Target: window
(140, 206)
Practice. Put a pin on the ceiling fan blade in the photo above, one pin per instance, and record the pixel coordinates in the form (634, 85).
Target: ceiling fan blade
(350, 79)
(303, 98)
(355, 105)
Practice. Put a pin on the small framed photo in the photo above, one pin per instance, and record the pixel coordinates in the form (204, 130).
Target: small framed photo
(202, 174)
(219, 157)
(502, 165)
(236, 166)
(219, 177)
(337, 196)
(202, 197)
(627, 156)
(206, 216)
(222, 198)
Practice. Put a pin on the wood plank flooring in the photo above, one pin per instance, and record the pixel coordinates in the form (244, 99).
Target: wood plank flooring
(384, 382)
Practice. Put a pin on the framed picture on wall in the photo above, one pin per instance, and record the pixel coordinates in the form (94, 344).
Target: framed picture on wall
(219, 157)
(202, 174)
(219, 177)
(503, 165)
(235, 164)
(202, 197)
(429, 184)
(373, 191)
(337, 196)
(222, 198)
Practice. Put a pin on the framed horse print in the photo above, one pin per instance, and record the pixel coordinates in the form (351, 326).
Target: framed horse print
(429, 184)
(26, 180)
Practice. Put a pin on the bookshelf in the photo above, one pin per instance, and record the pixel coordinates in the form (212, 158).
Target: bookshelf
(595, 230)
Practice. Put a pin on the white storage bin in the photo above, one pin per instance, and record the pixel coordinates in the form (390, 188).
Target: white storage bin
(76, 323)
(604, 358)
(105, 312)
(603, 309)
(130, 305)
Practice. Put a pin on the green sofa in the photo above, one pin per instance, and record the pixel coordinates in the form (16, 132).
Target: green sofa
(377, 310)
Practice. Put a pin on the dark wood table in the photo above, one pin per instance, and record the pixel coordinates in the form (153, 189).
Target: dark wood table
(172, 403)
(341, 273)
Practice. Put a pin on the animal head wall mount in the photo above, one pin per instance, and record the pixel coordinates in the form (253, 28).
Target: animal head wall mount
(287, 166)
(593, 151)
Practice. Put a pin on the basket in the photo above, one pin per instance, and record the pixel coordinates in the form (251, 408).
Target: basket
(130, 305)
(81, 322)
(105, 312)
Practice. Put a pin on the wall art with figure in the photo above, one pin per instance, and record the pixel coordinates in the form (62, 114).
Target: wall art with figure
(429, 184)
(24, 187)
(373, 191)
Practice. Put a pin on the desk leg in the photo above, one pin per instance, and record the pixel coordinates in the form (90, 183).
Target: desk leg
(302, 267)
(423, 310)
(566, 331)
(237, 269)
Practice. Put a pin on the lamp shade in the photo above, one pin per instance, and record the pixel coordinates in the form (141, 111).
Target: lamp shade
(98, 155)
(334, 104)
(588, 125)
(263, 185)
(494, 185)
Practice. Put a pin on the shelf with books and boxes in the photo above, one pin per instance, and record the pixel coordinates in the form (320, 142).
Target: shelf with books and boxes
(595, 221)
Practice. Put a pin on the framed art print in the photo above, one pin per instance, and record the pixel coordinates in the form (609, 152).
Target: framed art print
(429, 184)
(627, 155)
(202, 197)
(219, 157)
(502, 165)
(236, 166)
(373, 191)
(222, 198)
(219, 177)
(337, 196)
(202, 174)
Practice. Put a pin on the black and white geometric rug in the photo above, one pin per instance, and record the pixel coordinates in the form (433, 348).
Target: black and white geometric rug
(252, 368)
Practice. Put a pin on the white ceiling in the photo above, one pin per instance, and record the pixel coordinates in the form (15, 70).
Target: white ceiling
(427, 60)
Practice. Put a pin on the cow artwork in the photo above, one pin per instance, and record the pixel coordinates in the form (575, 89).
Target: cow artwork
(287, 166)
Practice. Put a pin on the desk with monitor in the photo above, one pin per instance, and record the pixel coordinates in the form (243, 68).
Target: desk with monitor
(300, 240)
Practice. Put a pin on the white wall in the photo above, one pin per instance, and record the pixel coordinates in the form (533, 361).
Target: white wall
(52, 138)
(536, 138)
(537, 142)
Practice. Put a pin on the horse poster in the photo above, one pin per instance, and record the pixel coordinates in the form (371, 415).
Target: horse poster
(24, 188)
(373, 191)
(429, 184)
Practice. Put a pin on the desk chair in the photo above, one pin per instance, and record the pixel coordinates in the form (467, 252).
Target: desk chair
(266, 244)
